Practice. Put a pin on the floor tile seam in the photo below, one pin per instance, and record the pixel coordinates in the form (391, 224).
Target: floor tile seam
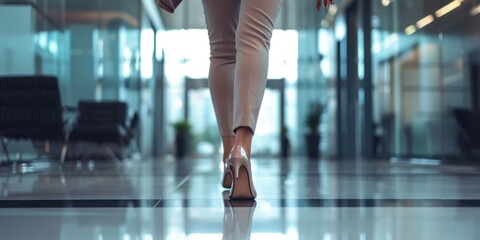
(183, 181)
(288, 174)
(471, 202)
(13, 204)
(380, 174)
(179, 185)
(296, 203)
(336, 203)
(157, 203)
(81, 203)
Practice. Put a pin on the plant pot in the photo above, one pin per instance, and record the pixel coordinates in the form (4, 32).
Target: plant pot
(285, 147)
(182, 145)
(312, 141)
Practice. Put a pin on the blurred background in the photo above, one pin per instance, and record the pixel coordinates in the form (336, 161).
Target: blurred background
(392, 78)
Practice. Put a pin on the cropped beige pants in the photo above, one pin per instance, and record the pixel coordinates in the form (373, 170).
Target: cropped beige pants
(239, 33)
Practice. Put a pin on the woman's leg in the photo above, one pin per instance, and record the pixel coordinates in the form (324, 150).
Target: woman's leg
(254, 31)
(222, 20)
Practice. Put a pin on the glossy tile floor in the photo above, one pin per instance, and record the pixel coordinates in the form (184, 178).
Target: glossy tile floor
(298, 199)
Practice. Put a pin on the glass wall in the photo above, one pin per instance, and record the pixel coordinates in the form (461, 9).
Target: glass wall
(35, 44)
(112, 58)
(100, 50)
(423, 60)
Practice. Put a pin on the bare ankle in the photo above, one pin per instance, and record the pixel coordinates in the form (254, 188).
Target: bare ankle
(244, 136)
(228, 143)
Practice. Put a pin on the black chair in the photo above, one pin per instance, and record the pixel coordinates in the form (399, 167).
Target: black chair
(30, 109)
(468, 125)
(103, 124)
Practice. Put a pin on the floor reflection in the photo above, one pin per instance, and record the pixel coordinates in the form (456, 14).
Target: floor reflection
(237, 218)
(170, 199)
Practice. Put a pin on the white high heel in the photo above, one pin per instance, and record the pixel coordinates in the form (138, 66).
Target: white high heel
(240, 167)
(227, 175)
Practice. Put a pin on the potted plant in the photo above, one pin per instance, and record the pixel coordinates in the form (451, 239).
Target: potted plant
(284, 142)
(312, 121)
(182, 138)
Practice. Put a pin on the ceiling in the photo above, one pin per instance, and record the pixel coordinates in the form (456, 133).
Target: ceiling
(398, 15)
(103, 11)
(295, 14)
(125, 6)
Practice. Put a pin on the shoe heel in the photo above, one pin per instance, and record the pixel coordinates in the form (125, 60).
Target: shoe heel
(242, 187)
(236, 165)
(227, 179)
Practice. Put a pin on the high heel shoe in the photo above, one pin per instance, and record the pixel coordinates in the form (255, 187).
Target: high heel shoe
(240, 167)
(227, 176)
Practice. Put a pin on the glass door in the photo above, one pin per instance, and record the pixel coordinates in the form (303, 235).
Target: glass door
(200, 114)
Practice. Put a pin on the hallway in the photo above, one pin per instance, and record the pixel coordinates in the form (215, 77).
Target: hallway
(298, 199)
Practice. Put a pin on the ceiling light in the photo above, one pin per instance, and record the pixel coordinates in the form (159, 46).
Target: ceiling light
(425, 21)
(410, 30)
(390, 40)
(475, 10)
(385, 3)
(448, 8)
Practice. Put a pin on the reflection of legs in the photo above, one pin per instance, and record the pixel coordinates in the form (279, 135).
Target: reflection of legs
(238, 218)
(222, 21)
(254, 32)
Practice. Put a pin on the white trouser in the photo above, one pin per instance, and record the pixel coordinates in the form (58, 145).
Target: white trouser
(239, 33)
